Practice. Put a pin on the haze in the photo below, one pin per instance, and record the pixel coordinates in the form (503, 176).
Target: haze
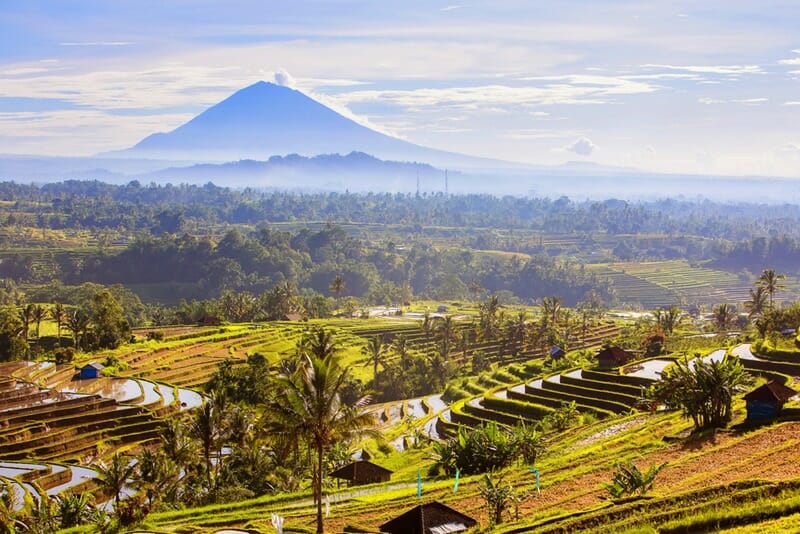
(680, 87)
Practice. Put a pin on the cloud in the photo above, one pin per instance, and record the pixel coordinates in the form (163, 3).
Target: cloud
(96, 43)
(284, 79)
(583, 146)
(711, 69)
(450, 8)
(793, 61)
(792, 103)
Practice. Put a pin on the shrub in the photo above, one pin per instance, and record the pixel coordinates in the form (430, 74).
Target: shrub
(628, 479)
(156, 335)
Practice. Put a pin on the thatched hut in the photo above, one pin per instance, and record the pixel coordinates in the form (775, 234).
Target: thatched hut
(767, 401)
(611, 357)
(362, 472)
(430, 518)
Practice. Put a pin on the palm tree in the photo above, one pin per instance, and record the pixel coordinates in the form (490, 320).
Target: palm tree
(78, 322)
(771, 282)
(59, 315)
(26, 316)
(113, 478)
(337, 285)
(758, 302)
(400, 347)
(551, 309)
(38, 314)
(375, 351)
(307, 407)
(668, 319)
(488, 320)
(208, 429)
(445, 332)
(724, 315)
(517, 333)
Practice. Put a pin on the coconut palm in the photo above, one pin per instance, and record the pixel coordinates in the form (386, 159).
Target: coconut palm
(668, 319)
(724, 315)
(208, 428)
(78, 322)
(445, 332)
(307, 409)
(400, 346)
(38, 314)
(771, 282)
(758, 302)
(375, 351)
(59, 315)
(113, 478)
(337, 286)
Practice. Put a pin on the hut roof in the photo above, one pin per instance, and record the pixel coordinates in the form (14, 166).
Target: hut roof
(351, 470)
(616, 354)
(430, 518)
(94, 365)
(771, 392)
(556, 350)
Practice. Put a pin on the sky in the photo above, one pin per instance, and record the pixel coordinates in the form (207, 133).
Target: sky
(708, 87)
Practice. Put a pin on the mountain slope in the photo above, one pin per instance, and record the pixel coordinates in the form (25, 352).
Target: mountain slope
(265, 119)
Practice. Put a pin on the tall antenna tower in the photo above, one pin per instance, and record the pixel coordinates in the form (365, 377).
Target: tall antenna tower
(417, 181)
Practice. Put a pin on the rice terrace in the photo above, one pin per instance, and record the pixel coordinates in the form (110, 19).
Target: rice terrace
(399, 267)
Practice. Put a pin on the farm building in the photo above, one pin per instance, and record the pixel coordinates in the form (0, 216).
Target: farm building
(362, 472)
(766, 402)
(92, 370)
(557, 353)
(611, 357)
(431, 518)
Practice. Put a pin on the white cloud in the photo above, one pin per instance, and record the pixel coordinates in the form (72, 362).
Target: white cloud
(96, 43)
(792, 103)
(712, 69)
(792, 61)
(450, 8)
(583, 146)
(284, 79)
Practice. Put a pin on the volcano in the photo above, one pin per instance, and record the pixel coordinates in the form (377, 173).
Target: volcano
(265, 119)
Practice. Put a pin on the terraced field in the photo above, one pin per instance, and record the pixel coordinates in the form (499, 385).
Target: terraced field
(667, 283)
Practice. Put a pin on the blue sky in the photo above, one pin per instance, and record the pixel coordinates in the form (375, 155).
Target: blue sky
(709, 87)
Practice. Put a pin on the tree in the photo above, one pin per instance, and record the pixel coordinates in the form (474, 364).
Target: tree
(208, 429)
(771, 282)
(375, 351)
(758, 302)
(703, 390)
(445, 333)
(307, 406)
(59, 315)
(78, 323)
(109, 326)
(13, 345)
(498, 496)
(337, 286)
(724, 317)
(628, 479)
(551, 310)
(114, 477)
(488, 321)
(38, 314)
(668, 319)
(400, 347)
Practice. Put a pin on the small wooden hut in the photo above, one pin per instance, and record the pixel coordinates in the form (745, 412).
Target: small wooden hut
(766, 402)
(431, 518)
(557, 353)
(362, 472)
(92, 370)
(611, 357)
